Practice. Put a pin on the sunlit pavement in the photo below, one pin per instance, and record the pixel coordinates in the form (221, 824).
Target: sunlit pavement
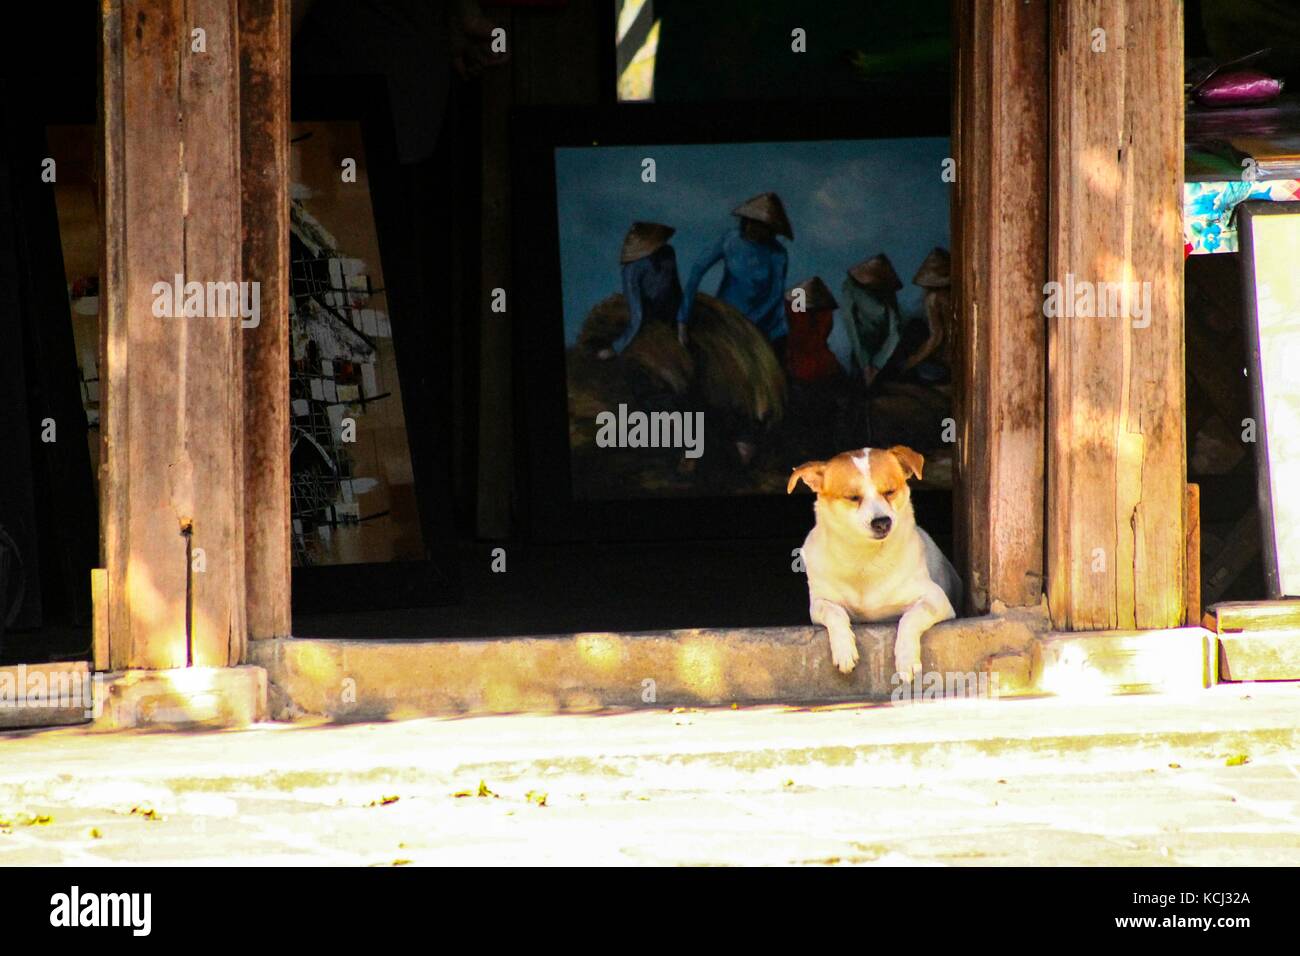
(1213, 778)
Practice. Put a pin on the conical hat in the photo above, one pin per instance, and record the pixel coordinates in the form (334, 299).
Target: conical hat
(816, 296)
(877, 274)
(935, 270)
(767, 208)
(644, 238)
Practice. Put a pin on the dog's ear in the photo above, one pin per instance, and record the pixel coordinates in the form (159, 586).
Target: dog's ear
(911, 461)
(811, 472)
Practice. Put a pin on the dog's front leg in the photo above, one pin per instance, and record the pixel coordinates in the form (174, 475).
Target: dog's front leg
(932, 608)
(844, 645)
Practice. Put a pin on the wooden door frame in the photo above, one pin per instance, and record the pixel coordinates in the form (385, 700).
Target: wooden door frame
(1071, 464)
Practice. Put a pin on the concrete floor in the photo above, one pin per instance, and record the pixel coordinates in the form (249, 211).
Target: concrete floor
(1119, 781)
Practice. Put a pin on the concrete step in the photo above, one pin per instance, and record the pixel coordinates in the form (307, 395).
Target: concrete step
(660, 749)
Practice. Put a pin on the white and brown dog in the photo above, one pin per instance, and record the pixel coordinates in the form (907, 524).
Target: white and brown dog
(866, 558)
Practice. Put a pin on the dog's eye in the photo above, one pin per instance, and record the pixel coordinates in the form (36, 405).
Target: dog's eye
(889, 495)
(856, 499)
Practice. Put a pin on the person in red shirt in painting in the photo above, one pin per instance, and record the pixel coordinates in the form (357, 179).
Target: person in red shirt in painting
(810, 313)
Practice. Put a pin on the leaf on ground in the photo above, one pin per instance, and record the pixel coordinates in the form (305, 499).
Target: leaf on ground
(96, 833)
(35, 820)
(383, 801)
(149, 813)
(1175, 766)
(537, 797)
(482, 791)
(1236, 760)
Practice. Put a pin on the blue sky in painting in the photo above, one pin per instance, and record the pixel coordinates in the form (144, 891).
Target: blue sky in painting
(847, 199)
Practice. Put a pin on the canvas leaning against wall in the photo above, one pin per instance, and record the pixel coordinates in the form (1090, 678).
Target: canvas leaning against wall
(353, 496)
(765, 303)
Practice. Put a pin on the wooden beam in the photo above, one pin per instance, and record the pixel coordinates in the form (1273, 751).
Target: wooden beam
(1116, 457)
(1192, 528)
(1000, 243)
(172, 427)
(264, 166)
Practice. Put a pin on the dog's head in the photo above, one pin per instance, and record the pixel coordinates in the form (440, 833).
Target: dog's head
(864, 492)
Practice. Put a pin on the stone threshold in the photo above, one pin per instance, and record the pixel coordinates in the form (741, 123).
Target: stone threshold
(1005, 655)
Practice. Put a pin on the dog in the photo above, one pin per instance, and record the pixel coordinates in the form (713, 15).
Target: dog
(867, 560)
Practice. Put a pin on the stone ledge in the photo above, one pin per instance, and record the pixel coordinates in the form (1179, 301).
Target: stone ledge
(386, 679)
(1172, 660)
(197, 697)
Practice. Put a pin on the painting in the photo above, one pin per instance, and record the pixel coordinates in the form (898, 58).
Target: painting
(353, 497)
(733, 309)
(1270, 235)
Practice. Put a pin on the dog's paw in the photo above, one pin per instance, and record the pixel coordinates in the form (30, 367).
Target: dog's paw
(907, 659)
(844, 650)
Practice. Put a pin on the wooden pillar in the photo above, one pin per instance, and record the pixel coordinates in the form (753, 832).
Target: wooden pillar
(1000, 266)
(264, 149)
(1116, 450)
(172, 476)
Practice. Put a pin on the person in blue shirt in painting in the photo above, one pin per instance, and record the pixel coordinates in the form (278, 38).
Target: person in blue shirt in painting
(650, 284)
(753, 268)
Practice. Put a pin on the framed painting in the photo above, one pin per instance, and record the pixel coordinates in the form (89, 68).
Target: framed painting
(365, 475)
(709, 298)
(1270, 246)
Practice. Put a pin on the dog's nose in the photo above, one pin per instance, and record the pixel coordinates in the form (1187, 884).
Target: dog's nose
(881, 526)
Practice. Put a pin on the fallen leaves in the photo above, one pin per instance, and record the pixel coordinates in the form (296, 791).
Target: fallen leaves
(26, 820)
(383, 801)
(482, 791)
(1236, 760)
(149, 813)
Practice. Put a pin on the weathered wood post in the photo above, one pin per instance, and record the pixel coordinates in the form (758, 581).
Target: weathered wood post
(1000, 266)
(173, 468)
(1116, 456)
(264, 140)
